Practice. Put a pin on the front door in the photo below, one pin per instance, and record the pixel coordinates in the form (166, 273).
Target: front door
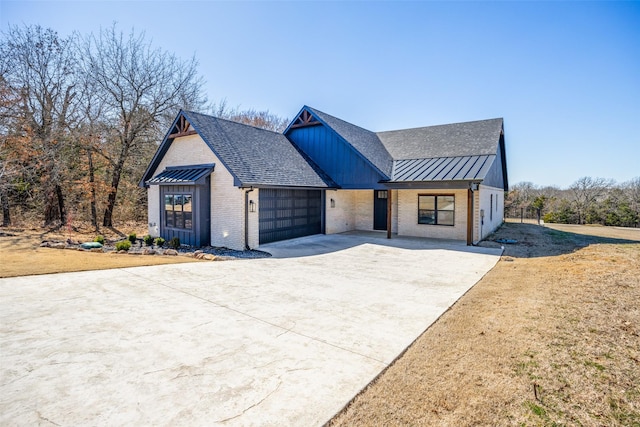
(380, 209)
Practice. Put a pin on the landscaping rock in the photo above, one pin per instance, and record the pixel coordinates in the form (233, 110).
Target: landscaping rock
(91, 245)
(97, 250)
(171, 252)
(58, 245)
(148, 251)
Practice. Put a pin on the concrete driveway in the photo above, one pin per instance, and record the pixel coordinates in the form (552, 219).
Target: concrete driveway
(287, 340)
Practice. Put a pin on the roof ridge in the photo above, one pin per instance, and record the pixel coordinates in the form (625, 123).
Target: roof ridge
(440, 125)
(232, 121)
(338, 118)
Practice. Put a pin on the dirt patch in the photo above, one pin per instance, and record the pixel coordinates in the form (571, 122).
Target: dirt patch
(21, 254)
(550, 336)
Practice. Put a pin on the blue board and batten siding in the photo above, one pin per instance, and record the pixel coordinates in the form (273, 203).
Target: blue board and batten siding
(336, 157)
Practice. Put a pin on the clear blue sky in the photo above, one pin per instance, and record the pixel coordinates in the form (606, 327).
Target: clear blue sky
(564, 75)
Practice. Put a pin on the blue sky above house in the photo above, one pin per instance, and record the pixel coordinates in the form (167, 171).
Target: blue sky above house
(564, 75)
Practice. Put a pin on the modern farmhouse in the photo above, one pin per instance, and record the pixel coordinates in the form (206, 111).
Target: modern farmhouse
(220, 183)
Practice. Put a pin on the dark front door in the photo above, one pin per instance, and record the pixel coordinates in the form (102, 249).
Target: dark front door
(380, 209)
(286, 214)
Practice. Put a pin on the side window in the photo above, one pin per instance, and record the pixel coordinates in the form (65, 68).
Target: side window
(436, 210)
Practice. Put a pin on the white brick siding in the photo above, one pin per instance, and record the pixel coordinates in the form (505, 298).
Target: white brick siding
(342, 217)
(354, 211)
(493, 212)
(408, 216)
(153, 209)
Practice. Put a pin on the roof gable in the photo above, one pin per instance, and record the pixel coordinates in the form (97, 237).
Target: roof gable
(365, 142)
(252, 155)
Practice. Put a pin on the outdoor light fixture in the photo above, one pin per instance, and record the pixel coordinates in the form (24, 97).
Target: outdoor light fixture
(252, 206)
(474, 186)
(333, 203)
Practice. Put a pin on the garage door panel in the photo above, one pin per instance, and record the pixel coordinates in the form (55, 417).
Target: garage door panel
(287, 214)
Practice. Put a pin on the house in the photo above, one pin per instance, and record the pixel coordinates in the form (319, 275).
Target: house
(220, 183)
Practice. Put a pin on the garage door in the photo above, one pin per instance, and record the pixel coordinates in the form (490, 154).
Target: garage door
(287, 214)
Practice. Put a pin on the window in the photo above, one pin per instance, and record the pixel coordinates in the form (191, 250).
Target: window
(178, 211)
(382, 194)
(436, 210)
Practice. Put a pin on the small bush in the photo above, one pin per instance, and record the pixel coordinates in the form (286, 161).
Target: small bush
(124, 245)
(159, 241)
(148, 240)
(99, 239)
(132, 238)
(174, 243)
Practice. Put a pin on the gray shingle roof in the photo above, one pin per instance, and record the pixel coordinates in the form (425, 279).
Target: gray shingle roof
(363, 140)
(452, 140)
(256, 156)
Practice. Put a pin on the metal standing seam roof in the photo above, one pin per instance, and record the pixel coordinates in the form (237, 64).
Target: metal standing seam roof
(462, 168)
(181, 175)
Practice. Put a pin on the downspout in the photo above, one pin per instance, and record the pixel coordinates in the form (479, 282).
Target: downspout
(246, 218)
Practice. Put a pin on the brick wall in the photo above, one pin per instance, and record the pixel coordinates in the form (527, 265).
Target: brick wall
(493, 212)
(408, 216)
(342, 217)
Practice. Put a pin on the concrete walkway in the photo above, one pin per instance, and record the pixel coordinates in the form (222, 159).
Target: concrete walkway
(276, 341)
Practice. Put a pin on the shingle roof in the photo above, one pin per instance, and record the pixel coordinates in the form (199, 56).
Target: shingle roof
(256, 156)
(363, 140)
(181, 175)
(452, 140)
(442, 168)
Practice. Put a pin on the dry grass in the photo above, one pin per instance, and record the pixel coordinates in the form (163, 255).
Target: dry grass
(20, 254)
(550, 336)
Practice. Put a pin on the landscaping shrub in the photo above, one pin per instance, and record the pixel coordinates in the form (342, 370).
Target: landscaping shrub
(174, 243)
(148, 240)
(159, 241)
(99, 239)
(124, 245)
(132, 238)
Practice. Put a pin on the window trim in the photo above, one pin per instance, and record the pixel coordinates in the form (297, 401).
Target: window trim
(164, 210)
(436, 210)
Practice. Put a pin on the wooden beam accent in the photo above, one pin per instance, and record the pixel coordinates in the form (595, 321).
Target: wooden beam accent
(301, 125)
(305, 119)
(470, 216)
(389, 211)
(179, 134)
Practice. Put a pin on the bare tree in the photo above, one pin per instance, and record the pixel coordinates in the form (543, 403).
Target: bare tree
(138, 86)
(261, 119)
(585, 192)
(40, 66)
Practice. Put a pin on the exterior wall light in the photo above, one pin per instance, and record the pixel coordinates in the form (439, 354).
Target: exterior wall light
(333, 203)
(252, 206)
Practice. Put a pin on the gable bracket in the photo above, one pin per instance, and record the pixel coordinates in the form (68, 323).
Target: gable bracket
(305, 119)
(182, 128)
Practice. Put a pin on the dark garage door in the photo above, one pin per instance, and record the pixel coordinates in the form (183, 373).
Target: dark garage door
(286, 214)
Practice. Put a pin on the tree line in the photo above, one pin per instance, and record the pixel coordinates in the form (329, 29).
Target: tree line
(82, 115)
(587, 201)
